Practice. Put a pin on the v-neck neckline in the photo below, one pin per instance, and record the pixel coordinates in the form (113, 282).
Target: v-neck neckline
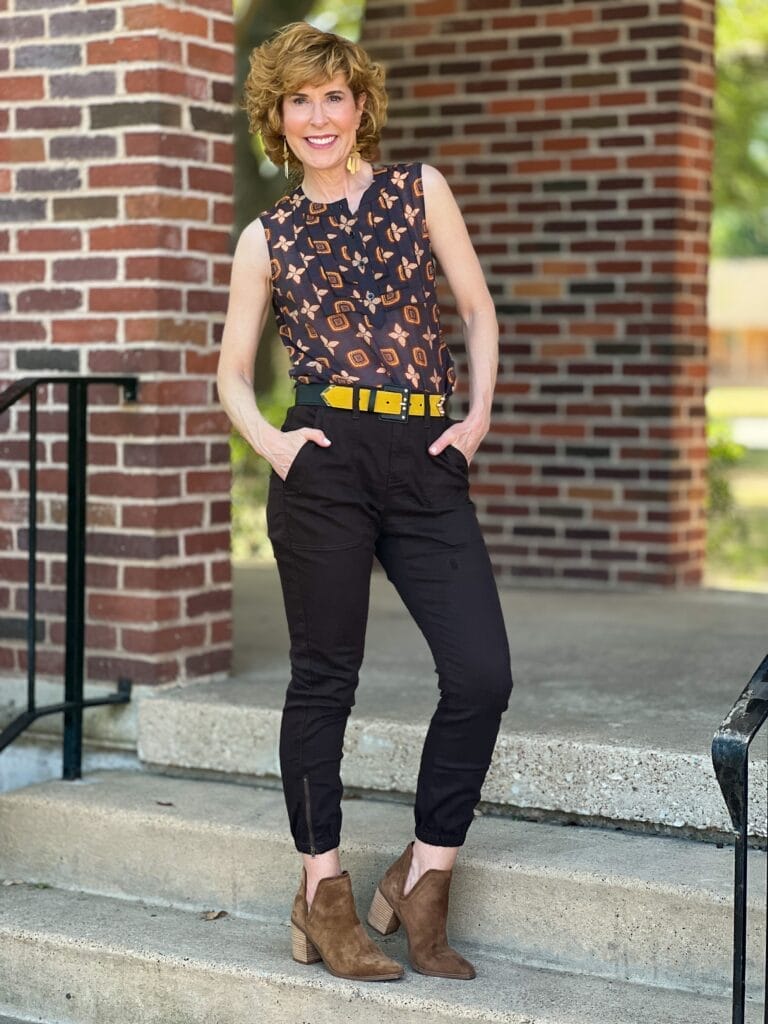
(344, 202)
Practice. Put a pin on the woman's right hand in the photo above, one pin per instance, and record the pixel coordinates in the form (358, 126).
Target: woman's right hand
(285, 446)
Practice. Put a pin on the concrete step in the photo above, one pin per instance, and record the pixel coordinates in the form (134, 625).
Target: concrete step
(85, 959)
(233, 727)
(654, 910)
(37, 758)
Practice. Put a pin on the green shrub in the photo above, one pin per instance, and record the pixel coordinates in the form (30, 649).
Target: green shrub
(724, 453)
(728, 529)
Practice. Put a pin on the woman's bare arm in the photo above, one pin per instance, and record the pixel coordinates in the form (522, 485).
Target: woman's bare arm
(250, 297)
(458, 260)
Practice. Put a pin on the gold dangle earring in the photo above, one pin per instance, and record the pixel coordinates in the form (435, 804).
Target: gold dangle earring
(285, 157)
(353, 160)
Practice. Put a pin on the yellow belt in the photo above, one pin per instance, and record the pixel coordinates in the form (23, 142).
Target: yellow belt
(399, 403)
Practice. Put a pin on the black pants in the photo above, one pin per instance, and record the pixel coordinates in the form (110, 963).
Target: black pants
(377, 491)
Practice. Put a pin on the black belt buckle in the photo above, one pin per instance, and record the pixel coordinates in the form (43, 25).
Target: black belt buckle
(405, 395)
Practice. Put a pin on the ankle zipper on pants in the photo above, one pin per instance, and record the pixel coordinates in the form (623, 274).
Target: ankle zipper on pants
(308, 813)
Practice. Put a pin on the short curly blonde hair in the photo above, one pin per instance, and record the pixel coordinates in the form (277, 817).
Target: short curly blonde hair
(297, 55)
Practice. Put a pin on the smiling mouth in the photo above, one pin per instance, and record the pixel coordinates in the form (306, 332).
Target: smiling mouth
(320, 141)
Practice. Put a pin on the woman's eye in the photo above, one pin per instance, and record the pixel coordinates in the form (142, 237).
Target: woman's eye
(335, 98)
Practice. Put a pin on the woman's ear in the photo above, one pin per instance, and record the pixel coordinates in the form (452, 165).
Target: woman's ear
(360, 102)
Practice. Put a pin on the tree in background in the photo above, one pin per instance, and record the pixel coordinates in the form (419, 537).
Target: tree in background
(737, 536)
(740, 176)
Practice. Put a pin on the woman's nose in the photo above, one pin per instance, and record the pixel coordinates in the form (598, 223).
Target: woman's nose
(318, 115)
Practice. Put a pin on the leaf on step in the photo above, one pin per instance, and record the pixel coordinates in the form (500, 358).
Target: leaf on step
(165, 803)
(212, 915)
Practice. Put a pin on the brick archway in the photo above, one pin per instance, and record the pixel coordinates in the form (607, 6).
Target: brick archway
(577, 139)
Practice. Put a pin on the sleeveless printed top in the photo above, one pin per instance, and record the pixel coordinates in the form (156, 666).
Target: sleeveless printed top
(354, 293)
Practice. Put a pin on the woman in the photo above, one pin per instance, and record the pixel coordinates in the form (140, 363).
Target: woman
(367, 464)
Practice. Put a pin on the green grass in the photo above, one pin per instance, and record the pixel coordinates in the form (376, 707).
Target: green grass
(755, 460)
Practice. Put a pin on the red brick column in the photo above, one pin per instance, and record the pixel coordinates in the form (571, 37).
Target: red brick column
(577, 140)
(117, 209)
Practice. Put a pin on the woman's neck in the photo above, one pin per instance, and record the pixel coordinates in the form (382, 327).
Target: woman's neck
(336, 183)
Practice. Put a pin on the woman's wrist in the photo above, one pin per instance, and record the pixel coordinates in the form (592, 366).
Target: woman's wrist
(262, 439)
(478, 418)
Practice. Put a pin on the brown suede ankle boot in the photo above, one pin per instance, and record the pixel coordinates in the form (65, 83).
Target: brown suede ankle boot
(424, 912)
(331, 932)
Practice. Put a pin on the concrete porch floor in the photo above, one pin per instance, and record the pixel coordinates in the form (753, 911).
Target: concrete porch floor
(654, 669)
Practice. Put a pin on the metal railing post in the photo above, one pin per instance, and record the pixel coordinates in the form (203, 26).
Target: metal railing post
(74, 702)
(32, 554)
(75, 599)
(730, 757)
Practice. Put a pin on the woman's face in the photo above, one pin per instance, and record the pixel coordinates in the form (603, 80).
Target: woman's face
(320, 121)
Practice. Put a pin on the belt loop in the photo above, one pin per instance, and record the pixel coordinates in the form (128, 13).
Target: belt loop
(356, 401)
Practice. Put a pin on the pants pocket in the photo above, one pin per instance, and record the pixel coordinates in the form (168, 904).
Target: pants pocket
(300, 416)
(458, 457)
(448, 473)
(292, 479)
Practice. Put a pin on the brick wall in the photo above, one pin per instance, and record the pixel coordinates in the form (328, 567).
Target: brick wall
(576, 136)
(115, 210)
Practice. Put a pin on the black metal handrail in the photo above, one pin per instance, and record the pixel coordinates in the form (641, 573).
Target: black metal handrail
(77, 442)
(730, 756)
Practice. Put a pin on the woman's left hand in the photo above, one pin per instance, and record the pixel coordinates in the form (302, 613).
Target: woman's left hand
(466, 435)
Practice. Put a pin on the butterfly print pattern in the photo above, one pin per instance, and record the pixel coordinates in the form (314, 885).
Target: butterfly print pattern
(354, 293)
